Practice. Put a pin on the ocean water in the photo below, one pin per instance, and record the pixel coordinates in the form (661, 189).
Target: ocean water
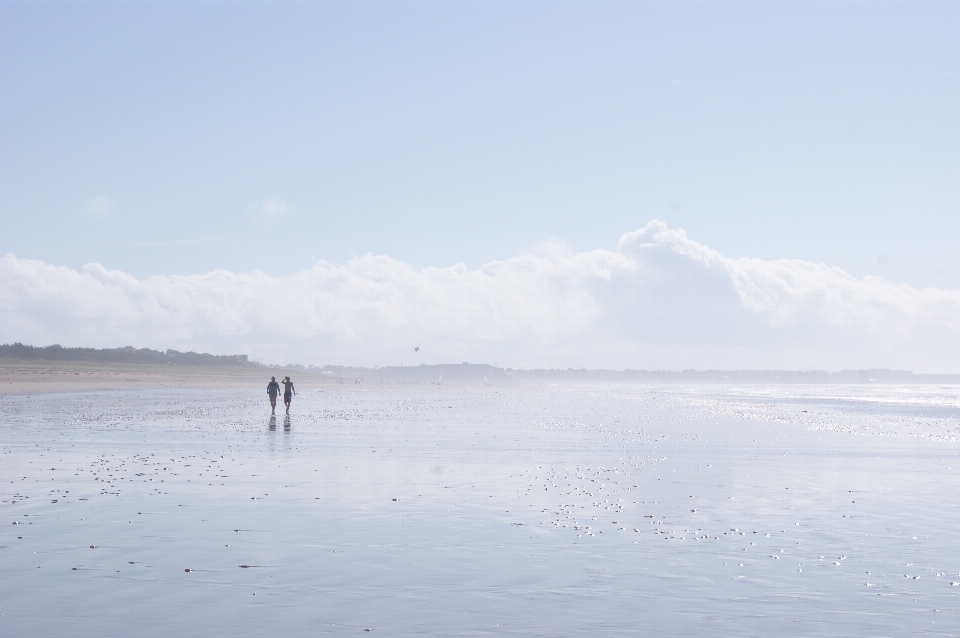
(442, 511)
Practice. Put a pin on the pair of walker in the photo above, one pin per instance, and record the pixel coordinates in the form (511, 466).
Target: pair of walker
(273, 389)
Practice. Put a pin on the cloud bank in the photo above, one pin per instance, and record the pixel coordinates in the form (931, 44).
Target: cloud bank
(658, 301)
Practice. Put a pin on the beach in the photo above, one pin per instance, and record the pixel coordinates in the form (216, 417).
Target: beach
(583, 319)
(547, 511)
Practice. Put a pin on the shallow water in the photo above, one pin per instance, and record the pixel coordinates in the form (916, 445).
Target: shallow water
(546, 511)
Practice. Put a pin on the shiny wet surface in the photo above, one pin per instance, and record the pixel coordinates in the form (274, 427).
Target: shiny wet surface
(483, 511)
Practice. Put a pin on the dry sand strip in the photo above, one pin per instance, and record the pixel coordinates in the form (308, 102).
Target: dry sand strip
(38, 377)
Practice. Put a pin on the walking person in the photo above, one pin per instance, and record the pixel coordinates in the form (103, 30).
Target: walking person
(273, 389)
(288, 392)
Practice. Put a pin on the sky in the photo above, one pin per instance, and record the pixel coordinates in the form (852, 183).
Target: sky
(642, 185)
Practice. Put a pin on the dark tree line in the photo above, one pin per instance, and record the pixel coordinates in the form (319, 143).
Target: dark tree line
(127, 354)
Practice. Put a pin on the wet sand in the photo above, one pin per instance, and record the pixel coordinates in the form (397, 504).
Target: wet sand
(41, 377)
(426, 511)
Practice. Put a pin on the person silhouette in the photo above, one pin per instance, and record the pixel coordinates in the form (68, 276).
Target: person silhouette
(288, 392)
(273, 389)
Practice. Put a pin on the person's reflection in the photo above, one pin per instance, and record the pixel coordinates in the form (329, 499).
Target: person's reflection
(286, 423)
(273, 423)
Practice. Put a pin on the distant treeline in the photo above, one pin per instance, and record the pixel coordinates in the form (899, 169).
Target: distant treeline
(127, 354)
(475, 374)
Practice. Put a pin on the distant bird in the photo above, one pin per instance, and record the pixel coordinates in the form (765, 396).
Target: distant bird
(417, 349)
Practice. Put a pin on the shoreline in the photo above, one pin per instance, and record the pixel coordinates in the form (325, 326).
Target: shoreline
(19, 377)
(26, 377)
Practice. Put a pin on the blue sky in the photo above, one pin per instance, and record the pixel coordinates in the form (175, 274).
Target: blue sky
(180, 138)
(447, 132)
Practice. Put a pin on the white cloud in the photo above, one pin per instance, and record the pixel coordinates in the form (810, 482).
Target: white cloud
(101, 205)
(273, 207)
(659, 300)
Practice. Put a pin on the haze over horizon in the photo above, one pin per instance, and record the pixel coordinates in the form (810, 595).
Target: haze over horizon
(604, 185)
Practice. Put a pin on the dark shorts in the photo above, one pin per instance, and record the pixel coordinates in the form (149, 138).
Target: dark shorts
(273, 397)
(287, 397)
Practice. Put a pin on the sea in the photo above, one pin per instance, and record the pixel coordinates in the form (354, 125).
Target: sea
(527, 510)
